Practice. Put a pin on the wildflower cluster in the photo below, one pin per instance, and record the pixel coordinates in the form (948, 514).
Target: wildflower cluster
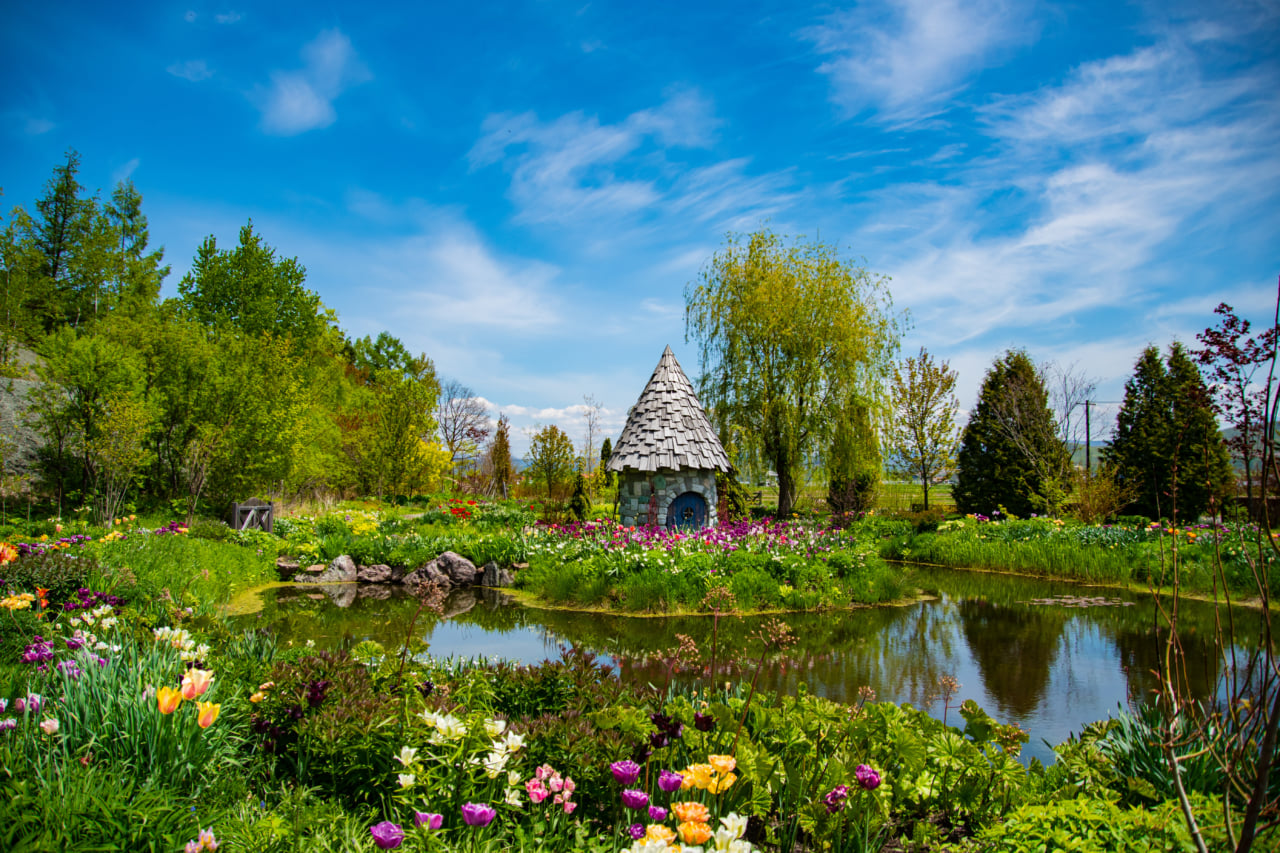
(204, 841)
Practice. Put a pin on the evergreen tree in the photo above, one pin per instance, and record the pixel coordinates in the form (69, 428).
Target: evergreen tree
(606, 451)
(1010, 455)
(579, 503)
(500, 457)
(1166, 444)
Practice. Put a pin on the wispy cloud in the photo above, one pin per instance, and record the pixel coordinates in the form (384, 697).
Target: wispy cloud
(33, 126)
(194, 70)
(227, 17)
(576, 170)
(302, 100)
(904, 58)
(125, 171)
(1081, 220)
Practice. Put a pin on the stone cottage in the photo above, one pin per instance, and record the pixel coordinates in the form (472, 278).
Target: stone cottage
(668, 455)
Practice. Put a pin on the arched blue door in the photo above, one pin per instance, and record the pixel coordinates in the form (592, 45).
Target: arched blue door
(688, 512)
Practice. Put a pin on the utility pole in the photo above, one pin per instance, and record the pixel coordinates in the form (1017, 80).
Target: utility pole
(1088, 438)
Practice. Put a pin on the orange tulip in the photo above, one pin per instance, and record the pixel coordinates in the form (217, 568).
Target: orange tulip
(208, 713)
(694, 832)
(168, 699)
(722, 763)
(690, 812)
(195, 683)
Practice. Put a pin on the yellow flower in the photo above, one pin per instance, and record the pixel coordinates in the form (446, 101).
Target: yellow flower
(257, 697)
(723, 763)
(168, 699)
(658, 832)
(195, 683)
(722, 783)
(698, 776)
(208, 713)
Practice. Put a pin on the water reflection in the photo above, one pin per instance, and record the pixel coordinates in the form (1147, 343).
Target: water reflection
(1051, 668)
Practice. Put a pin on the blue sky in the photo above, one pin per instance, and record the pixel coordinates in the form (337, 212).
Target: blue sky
(522, 191)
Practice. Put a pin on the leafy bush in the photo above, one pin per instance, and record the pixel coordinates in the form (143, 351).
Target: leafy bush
(211, 529)
(1089, 824)
(60, 571)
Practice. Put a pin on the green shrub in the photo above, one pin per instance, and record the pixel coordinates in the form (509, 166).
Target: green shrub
(60, 571)
(1089, 824)
(211, 529)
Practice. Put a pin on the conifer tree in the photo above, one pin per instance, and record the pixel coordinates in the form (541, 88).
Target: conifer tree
(579, 503)
(1010, 454)
(1166, 443)
(500, 457)
(606, 451)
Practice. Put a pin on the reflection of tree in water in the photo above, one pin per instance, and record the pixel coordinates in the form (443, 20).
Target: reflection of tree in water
(1014, 647)
(1141, 651)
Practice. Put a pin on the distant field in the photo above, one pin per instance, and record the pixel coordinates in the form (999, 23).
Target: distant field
(893, 496)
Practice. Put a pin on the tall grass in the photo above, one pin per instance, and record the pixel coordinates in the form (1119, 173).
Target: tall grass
(210, 571)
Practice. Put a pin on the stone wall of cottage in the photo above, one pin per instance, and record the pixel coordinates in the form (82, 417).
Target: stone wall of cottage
(634, 491)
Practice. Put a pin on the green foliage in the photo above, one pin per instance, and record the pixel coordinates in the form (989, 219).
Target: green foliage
(606, 453)
(734, 500)
(60, 571)
(502, 471)
(1166, 444)
(853, 462)
(98, 807)
(1010, 455)
(787, 334)
(1088, 824)
(924, 437)
(551, 458)
(208, 571)
(579, 503)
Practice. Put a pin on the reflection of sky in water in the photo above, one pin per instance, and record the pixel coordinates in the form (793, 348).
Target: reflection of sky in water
(1051, 669)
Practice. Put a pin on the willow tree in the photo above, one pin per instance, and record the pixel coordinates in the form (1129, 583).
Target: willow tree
(788, 332)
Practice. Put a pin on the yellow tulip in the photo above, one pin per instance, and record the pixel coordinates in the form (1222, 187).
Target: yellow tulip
(208, 713)
(168, 699)
(195, 683)
(257, 697)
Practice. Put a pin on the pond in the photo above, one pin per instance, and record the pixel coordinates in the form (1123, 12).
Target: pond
(1049, 656)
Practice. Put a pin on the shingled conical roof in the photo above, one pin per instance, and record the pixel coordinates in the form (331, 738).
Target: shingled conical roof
(667, 427)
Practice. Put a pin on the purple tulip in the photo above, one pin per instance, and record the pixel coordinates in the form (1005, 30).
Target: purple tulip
(867, 778)
(636, 830)
(670, 781)
(835, 798)
(478, 814)
(427, 819)
(626, 772)
(703, 722)
(387, 835)
(657, 814)
(634, 799)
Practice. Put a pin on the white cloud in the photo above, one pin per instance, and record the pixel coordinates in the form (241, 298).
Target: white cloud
(302, 100)
(194, 70)
(125, 171)
(1113, 171)
(904, 58)
(603, 178)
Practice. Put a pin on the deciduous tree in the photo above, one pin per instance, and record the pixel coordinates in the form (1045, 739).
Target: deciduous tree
(551, 458)
(1233, 358)
(463, 420)
(924, 436)
(787, 334)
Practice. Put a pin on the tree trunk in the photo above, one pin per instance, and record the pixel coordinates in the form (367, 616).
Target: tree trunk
(786, 489)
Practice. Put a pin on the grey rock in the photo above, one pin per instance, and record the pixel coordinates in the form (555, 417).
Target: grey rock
(377, 573)
(495, 576)
(460, 570)
(377, 591)
(341, 570)
(343, 594)
(427, 573)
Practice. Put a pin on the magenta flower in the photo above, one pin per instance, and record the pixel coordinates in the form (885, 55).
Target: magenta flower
(634, 799)
(657, 814)
(867, 778)
(835, 798)
(387, 835)
(427, 819)
(636, 831)
(670, 781)
(626, 772)
(478, 814)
